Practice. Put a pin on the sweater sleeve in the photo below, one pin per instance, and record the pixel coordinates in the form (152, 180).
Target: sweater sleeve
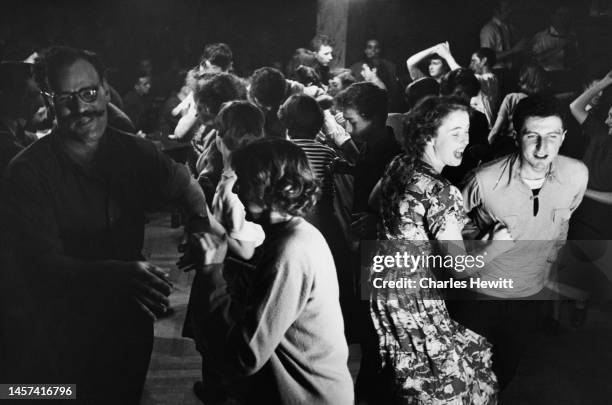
(239, 342)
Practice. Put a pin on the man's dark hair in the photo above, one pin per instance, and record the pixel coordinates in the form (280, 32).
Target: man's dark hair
(487, 53)
(58, 57)
(268, 87)
(369, 100)
(320, 40)
(538, 105)
(419, 89)
(460, 82)
(215, 89)
(218, 54)
(239, 123)
(302, 116)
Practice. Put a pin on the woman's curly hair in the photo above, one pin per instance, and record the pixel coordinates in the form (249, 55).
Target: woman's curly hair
(423, 121)
(275, 174)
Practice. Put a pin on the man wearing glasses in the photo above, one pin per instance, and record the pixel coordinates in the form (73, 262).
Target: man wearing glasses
(75, 204)
(532, 193)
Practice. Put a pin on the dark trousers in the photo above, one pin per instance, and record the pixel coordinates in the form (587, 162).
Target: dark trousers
(106, 355)
(506, 323)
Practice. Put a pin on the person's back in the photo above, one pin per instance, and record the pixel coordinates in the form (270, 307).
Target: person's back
(299, 255)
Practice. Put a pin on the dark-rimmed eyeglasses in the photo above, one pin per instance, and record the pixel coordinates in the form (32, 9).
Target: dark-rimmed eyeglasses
(86, 95)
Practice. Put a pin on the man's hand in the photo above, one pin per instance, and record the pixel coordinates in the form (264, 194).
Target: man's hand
(148, 284)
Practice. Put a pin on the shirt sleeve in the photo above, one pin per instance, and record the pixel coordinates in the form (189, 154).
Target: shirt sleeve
(234, 220)
(489, 38)
(472, 200)
(445, 208)
(239, 342)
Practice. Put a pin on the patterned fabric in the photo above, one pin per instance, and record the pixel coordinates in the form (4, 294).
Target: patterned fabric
(432, 358)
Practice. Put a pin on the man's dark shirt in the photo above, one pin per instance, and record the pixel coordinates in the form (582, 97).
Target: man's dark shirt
(377, 150)
(59, 208)
(140, 110)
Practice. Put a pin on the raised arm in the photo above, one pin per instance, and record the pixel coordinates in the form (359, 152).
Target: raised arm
(577, 107)
(443, 50)
(414, 60)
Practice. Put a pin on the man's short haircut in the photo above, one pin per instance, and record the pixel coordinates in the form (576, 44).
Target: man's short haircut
(538, 105)
(487, 53)
(320, 40)
(268, 87)
(239, 123)
(217, 88)
(218, 54)
(302, 116)
(136, 75)
(369, 100)
(275, 173)
(460, 82)
(56, 58)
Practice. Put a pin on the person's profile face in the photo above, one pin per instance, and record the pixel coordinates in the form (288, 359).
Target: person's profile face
(372, 49)
(356, 124)
(476, 64)
(80, 100)
(452, 137)
(324, 55)
(540, 141)
(436, 68)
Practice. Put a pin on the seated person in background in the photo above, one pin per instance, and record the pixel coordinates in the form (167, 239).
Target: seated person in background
(462, 83)
(532, 80)
(287, 339)
(437, 65)
(268, 90)
(138, 104)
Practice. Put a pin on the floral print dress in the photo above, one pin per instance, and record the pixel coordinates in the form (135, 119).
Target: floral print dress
(432, 359)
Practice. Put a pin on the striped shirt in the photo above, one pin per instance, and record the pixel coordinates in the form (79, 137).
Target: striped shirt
(320, 157)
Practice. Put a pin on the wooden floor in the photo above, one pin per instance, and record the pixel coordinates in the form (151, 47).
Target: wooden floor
(567, 367)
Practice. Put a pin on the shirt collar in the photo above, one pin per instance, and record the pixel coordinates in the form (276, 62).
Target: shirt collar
(511, 170)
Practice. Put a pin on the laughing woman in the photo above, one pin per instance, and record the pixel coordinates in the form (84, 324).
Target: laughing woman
(428, 357)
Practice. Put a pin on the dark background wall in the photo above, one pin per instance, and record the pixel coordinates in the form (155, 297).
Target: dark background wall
(264, 32)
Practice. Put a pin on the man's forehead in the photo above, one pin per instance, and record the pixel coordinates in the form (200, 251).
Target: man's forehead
(325, 49)
(551, 123)
(76, 75)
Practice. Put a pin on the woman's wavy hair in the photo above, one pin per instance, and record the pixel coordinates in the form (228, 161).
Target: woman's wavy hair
(275, 174)
(423, 121)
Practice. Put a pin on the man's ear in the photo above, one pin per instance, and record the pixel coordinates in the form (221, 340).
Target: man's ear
(106, 91)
